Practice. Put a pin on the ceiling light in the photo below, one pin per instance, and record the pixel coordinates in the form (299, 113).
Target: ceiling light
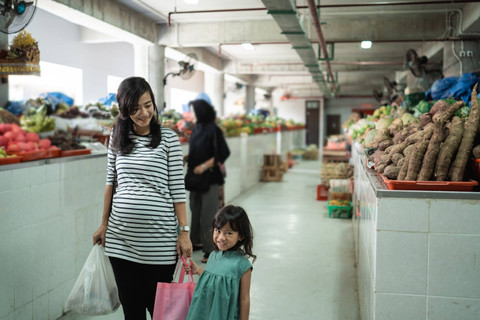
(366, 44)
(191, 1)
(248, 46)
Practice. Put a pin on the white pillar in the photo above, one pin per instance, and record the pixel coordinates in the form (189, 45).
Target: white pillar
(140, 60)
(215, 88)
(3, 81)
(249, 98)
(156, 72)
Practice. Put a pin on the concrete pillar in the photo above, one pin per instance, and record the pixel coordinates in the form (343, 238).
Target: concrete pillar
(214, 88)
(156, 72)
(249, 98)
(3, 81)
(140, 60)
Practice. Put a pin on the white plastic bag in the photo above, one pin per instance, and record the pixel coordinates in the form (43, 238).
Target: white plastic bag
(95, 291)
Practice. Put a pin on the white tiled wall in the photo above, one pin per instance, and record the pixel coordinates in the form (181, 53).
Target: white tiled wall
(49, 212)
(416, 258)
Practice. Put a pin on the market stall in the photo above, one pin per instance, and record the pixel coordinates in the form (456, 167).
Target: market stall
(416, 205)
(416, 251)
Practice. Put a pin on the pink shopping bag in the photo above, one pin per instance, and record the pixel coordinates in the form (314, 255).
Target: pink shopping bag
(173, 299)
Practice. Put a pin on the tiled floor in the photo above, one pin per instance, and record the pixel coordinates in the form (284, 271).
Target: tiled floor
(305, 260)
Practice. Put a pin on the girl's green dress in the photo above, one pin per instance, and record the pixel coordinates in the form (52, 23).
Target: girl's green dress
(217, 291)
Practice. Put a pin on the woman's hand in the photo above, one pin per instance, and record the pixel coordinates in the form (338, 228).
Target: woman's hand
(184, 245)
(99, 235)
(199, 169)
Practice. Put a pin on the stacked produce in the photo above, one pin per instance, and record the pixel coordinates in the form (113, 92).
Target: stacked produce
(37, 120)
(15, 140)
(437, 146)
(65, 141)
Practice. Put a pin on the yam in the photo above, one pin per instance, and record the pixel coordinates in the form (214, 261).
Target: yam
(403, 169)
(396, 157)
(400, 136)
(425, 119)
(416, 160)
(391, 171)
(400, 162)
(389, 149)
(476, 152)
(448, 149)
(395, 127)
(407, 150)
(471, 128)
(440, 105)
(385, 144)
(380, 168)
(445, 115)
(428, 163)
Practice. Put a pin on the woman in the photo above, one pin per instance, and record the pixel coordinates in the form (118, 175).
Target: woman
(139, 232)
(207, 151)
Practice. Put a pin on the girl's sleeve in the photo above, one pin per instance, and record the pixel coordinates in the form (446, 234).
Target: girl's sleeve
(176, 182)
(244, 265)
(111, 160)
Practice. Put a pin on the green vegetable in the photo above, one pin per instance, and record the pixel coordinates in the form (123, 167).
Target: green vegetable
(463, 112)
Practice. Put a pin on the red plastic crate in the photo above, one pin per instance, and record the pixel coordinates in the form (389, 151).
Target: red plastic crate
(429, 185)
(322, 193)
(77, 152)
(10, 160)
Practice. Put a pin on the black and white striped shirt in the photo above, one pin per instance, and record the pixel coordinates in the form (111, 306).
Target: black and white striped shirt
(143, 225)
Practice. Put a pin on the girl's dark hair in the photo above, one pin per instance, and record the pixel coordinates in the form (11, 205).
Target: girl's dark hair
(129, 92)
(204, 111)
(239, 222)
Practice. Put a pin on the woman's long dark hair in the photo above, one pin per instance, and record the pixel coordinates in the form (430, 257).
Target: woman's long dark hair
(239, 222)
(129, 92)
(204, 111)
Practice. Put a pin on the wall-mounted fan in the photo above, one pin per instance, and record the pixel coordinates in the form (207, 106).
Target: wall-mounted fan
(391, 86)
(378, 95)
(420, 65)
(187, 68)
(15, 15)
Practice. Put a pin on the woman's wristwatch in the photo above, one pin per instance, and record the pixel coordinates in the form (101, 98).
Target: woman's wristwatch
(184, 228)
(204, 167)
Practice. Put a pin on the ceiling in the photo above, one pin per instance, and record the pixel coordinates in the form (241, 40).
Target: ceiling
(287, 43)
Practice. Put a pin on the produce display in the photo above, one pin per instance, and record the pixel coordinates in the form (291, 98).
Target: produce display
(14, 140)
(339, 203)
(436, 146)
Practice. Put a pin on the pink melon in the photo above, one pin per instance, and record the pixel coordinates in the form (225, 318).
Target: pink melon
(13, 148)
(32, 136)
(44, 144)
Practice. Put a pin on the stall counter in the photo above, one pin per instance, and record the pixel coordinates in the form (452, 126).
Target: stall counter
(416, 251)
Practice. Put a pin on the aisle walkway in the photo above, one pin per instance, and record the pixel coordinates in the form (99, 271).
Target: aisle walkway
(305, 260)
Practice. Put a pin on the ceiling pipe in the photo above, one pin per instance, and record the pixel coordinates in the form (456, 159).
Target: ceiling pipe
(321, 39)
(380, 4)
(253, 43)
(406, 40)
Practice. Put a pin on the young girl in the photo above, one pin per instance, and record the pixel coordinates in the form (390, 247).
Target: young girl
(223, 289)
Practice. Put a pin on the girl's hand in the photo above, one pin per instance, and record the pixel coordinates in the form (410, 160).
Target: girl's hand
(194, 268)
(99, 235)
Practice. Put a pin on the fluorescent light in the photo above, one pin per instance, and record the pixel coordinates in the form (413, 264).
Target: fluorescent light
(191, 1)
(366, 44)
(248, 46)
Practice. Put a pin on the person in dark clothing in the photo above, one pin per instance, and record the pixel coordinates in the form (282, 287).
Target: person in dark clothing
(207, 151)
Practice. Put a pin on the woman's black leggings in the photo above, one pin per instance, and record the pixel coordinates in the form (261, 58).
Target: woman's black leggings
(137, 285)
